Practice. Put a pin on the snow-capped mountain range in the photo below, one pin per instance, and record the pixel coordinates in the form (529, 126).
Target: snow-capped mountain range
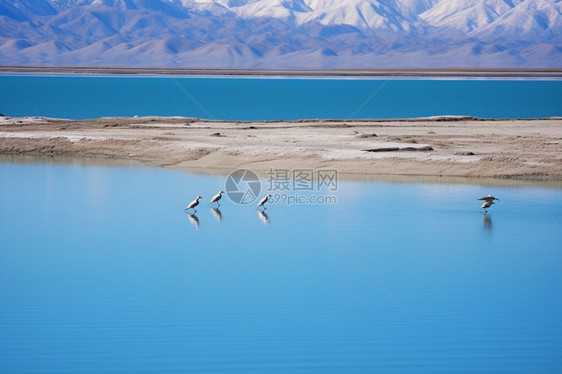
(282, 34)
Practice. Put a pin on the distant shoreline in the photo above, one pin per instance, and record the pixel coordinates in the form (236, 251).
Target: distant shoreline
(336, 73)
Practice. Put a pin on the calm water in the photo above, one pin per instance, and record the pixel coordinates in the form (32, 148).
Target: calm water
(102, 271)
(273, 99)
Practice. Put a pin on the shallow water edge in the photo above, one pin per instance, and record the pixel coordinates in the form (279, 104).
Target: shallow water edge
(386, 178)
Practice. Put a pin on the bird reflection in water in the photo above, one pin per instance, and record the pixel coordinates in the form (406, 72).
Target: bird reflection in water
(193, 219)
(487, 222)
(263, 217)
(217, 214)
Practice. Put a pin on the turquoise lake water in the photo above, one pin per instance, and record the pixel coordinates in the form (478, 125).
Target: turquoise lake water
(275, 99)
(101, 270)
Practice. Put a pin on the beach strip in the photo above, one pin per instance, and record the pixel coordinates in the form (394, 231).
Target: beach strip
(449, 146)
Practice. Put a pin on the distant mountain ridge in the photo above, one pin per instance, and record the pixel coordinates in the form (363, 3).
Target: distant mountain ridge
(300, 34)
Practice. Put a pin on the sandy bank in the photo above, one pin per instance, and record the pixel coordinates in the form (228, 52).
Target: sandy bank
(440, 146)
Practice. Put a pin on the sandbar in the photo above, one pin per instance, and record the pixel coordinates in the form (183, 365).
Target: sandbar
(448, 146)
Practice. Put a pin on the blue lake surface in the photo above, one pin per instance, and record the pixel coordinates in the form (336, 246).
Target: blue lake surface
(78, 97)
(101, 270)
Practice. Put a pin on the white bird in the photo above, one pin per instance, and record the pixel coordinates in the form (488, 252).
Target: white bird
(216, 198)
(194, 203)
(263, 201)
(488, 201)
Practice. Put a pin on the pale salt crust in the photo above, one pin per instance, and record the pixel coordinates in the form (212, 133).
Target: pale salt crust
(22, 120)
(71, 138)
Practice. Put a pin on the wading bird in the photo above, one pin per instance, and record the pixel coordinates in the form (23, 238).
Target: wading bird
(263, 201)
(488, 201)
(194, 203)
(216, 198)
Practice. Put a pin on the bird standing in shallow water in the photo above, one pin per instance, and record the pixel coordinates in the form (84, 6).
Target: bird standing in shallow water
(263, 201)
(216, 198)
(194, 203)
(488, 201)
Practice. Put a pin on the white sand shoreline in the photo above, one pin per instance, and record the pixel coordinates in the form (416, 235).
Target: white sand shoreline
(434, 147)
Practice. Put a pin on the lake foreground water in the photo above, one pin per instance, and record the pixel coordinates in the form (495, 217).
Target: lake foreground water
(102, 270)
